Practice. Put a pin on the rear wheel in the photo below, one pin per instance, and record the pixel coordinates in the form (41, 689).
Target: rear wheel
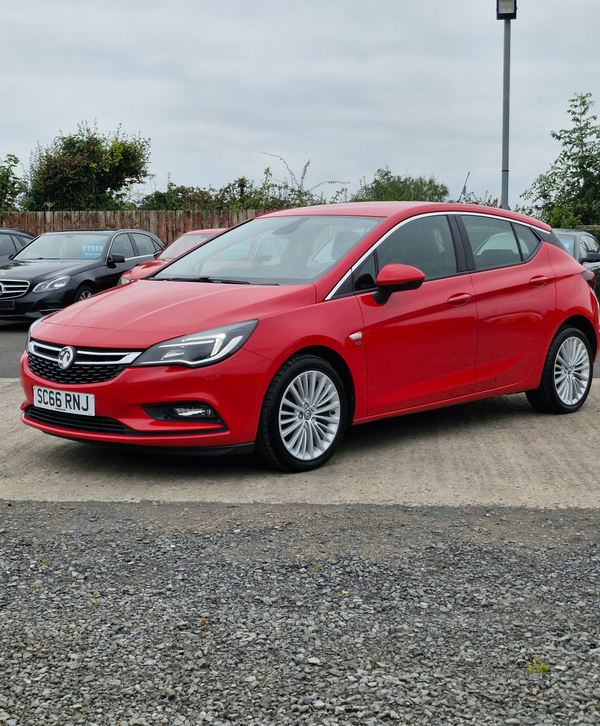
(567, 374)
(303, 415)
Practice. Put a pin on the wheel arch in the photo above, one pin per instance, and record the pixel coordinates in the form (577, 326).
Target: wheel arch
(341, 367)
(87, 283)
(583, 324)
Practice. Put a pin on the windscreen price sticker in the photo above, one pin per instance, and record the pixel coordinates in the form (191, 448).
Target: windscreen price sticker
(64, 401)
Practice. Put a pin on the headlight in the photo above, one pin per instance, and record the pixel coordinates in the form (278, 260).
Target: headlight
(199, 349)
(54, 284)
(124, 280)
(30, 331)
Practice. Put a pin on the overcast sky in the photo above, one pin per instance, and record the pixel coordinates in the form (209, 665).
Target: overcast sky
(415, 85)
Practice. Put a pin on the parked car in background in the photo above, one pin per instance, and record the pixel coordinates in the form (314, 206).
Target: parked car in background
(180, 246)
(60, 268)
(11, 241)
(585, 248)
(351, 313)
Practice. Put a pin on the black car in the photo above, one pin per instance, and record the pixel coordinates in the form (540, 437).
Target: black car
(60, 268)
(11, 241)
(585, 248)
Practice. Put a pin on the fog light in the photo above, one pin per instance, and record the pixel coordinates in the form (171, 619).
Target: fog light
(192, 411)
(183, 411)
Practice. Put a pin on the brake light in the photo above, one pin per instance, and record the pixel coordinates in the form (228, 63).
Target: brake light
(589, 277)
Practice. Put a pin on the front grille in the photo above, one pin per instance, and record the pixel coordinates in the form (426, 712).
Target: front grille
(73, 422)
(13, 288)
(97, 424)
(90, 365)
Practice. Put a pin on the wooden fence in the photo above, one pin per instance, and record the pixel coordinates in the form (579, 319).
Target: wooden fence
(168, 225)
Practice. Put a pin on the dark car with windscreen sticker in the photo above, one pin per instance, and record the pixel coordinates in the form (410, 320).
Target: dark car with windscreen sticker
(57, 269)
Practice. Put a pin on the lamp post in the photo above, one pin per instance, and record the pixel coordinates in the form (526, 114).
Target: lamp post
(505, 10)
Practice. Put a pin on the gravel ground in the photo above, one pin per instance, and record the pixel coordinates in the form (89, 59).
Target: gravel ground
(188, 613)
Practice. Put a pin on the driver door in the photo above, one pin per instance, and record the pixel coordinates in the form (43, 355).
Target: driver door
(420, 344)
(121, 245)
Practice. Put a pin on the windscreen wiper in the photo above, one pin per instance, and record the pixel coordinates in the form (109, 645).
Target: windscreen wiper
(224, 280)
(200, 279)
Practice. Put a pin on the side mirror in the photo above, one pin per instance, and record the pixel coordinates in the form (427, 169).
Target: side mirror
(591, 257)
(394, 278)
(115, 260)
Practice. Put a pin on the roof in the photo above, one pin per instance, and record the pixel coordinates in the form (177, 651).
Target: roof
(403, 210)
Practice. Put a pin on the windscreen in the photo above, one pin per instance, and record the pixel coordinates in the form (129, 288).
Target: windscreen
(65, 246)
(273, 250)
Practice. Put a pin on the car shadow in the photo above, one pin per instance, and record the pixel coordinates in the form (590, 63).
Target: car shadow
(144, 464)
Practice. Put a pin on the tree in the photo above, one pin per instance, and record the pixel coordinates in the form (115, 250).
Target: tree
(86, 170)
(243, 193)
(387, 187)
(569, 193)
(11, 186)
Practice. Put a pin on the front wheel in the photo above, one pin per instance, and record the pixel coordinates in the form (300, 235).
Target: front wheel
(83, 293)
(303, 415)
(567, 375)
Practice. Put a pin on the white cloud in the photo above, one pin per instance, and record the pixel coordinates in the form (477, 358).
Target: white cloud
(354, 86)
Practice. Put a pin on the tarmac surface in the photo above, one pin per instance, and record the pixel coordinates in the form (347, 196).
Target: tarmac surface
(493, 452)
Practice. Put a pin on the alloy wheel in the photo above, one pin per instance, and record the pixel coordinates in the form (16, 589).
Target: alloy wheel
(572, 371)
(309, 415)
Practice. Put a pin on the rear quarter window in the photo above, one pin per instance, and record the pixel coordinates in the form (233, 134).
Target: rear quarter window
(528, 240)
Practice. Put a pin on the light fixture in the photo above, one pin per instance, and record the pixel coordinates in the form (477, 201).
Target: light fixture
(506, 9)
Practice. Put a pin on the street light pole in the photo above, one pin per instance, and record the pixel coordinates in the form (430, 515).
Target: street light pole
(505, 10)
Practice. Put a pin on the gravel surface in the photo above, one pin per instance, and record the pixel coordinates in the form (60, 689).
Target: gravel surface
(115, 613)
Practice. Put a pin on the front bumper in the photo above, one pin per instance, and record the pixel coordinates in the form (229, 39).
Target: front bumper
(32, 306)
(234, 388)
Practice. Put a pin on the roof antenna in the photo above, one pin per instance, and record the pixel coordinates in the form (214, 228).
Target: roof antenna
(464, 189)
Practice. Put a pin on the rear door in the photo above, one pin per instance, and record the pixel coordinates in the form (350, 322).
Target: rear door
(421, 343)
(516, 297)
(144, 247)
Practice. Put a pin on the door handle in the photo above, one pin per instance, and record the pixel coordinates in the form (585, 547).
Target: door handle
(538, 281)
(459, 299)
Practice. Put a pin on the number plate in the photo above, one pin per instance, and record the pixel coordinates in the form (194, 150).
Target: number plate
(65, 401)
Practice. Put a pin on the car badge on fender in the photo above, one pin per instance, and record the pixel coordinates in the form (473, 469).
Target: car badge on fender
(66, 357)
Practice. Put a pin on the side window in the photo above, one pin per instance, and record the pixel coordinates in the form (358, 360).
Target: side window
(528, 240)
(588, 244)
(492, 242)
(143, 244)
(22, 241)
(424, 243)
(157, 247)
(6, 245)
(122, 246)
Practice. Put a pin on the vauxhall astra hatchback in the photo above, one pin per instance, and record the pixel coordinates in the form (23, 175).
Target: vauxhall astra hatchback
(282, 331)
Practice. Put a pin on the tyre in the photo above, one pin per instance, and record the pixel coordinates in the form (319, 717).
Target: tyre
(303, 416)
(83, 293)
(567, 375)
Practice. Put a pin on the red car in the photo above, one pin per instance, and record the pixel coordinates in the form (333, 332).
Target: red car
(182, 244)
(284, 330)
